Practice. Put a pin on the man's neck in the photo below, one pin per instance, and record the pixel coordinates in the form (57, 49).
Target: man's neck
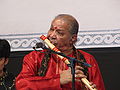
(68, 51)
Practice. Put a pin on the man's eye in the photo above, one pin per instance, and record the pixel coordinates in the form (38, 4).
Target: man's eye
(51, 29)
(61, 33)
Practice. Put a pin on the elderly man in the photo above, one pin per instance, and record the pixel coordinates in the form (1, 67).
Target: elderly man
(46, 71)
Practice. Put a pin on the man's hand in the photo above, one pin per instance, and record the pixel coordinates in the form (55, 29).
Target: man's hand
(66, 76)
(93, 85)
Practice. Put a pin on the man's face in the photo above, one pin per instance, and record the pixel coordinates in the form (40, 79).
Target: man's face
(3, 62)
(59, 34)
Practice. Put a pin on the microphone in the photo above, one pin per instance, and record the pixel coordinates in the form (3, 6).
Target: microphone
(39, 45)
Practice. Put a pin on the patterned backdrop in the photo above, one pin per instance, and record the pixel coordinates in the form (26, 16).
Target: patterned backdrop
(86, 39)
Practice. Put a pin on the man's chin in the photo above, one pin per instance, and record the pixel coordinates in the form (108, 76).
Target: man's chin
(56, 45)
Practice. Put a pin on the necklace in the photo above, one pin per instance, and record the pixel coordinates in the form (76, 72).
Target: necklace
(7, 81)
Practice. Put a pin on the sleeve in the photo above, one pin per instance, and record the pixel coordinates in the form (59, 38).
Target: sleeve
(27, 79)
(95, 74)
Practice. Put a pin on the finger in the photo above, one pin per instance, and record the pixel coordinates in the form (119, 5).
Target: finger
(80, 76)
(78, 80)
(91, 83)
(79, 72)
(69, 69)
(78, 67)
(93, 86)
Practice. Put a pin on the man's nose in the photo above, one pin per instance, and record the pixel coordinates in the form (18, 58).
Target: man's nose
(53, 34)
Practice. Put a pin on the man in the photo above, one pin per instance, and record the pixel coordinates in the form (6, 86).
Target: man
(43, 70)
(6, 78)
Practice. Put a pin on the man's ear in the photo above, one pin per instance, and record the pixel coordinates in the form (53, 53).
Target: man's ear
(6, 61)
(74, 38)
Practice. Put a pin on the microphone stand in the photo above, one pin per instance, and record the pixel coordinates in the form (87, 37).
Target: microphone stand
(72, 61)
(71, 65)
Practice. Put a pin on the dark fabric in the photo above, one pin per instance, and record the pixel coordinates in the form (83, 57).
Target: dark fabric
(8, 82)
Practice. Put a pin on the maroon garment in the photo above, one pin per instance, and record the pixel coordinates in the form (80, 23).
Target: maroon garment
(29, 80)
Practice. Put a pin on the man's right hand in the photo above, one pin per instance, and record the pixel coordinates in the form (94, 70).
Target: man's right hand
(66, 76)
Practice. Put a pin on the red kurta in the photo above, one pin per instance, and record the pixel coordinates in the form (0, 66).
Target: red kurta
(28, 79)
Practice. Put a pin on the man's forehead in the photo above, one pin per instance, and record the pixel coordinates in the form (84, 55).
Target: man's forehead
(54, 27)
(60, 23)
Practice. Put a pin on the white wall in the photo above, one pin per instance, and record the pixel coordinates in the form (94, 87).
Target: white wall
(34, 16)
(22, 21)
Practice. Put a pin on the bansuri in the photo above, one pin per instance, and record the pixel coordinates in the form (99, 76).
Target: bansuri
(65, 60)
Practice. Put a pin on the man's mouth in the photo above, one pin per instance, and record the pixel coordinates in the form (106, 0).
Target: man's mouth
(53, 42)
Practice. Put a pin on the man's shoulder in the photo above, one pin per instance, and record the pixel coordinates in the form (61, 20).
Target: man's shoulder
(33, 56)
(89, 58)
(84, 53)
(35, 53)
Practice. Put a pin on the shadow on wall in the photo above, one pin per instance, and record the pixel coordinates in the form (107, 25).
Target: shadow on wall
(107, 58)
